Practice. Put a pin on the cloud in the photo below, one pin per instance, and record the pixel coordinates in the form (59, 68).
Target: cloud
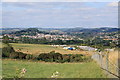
(60, 0)
(66, 14)
(113, 4)
(10, 0)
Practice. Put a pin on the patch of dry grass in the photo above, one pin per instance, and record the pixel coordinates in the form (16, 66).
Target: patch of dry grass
(40, 48)
(2, 45)
(113, 62)
(113, 56)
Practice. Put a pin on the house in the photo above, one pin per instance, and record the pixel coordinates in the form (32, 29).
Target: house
(87, 48)
(109, 49)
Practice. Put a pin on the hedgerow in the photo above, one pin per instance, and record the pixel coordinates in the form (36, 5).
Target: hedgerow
(9, 52)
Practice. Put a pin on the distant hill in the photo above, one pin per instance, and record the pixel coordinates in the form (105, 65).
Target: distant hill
(29, 31)
(9, 30)
(93, 30)
(33, 31)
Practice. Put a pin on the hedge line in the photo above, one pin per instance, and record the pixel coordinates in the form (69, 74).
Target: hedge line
(9, 52)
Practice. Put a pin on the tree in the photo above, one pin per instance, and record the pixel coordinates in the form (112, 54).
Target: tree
(5, 39)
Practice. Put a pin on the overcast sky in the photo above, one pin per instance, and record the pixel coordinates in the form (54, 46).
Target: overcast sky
(59, 14)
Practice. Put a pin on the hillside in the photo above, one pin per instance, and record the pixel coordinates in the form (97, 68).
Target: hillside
(9, 30)
(46, 30)
(29, 31)
(93, 30)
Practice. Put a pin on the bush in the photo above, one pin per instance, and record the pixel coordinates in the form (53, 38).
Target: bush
(42, 56)
(57, 57)
(47, 57)
(66, 58)
(14, 55)
(50, 57)
(34, 57)
(74, 58)
(6, 51)
(29, 56)
(21, 55)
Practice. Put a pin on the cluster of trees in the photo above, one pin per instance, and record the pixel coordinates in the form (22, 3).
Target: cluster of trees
(41, 41)
(29, 31)
(5, 39)
(61, 58)
(98, 43)
(86, 33)
(67, 42)
(9, 52)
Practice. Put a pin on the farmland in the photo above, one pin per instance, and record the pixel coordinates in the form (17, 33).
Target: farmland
(41, 69)
(41, 48)
(45, 70)
(59, 40)
(2, 45)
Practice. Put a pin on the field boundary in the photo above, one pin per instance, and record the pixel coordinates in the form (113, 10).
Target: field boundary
(105, 64)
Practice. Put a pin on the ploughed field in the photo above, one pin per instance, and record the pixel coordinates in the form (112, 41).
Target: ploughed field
(41, 48)
(37, 69)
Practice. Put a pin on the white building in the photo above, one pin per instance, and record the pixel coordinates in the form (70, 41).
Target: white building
(87, 48)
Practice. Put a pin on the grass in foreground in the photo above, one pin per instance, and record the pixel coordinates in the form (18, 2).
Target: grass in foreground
(45, 70)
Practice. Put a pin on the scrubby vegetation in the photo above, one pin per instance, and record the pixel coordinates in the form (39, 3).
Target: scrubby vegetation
(9, 52)
(37, 49)
(57, 57)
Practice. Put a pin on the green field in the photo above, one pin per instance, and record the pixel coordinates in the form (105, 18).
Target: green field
(45, 70)
(41, 48)
(38, 69)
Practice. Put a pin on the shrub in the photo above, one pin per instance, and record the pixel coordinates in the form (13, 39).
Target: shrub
(74, 58)
(17, 55)
(57, 57)
(47, 57)
(14, 55)
(66, 58)
(50, 57)
(29, 56)
(6, 51)
(34, 57)
(42, 56)
(21, 55)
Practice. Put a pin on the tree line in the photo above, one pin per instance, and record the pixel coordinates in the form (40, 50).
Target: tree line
(97, 42)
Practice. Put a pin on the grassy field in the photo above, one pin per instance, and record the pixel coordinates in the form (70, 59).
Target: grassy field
(37, 69)
(45, 70)
(40, 48)
(2, 45)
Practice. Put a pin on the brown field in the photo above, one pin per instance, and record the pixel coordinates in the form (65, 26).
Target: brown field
(40, 48)
(113, 56)
(112, 61)
(2, 45)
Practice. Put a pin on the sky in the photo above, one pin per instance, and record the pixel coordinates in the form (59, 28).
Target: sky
(59, 14)
(59, 0)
